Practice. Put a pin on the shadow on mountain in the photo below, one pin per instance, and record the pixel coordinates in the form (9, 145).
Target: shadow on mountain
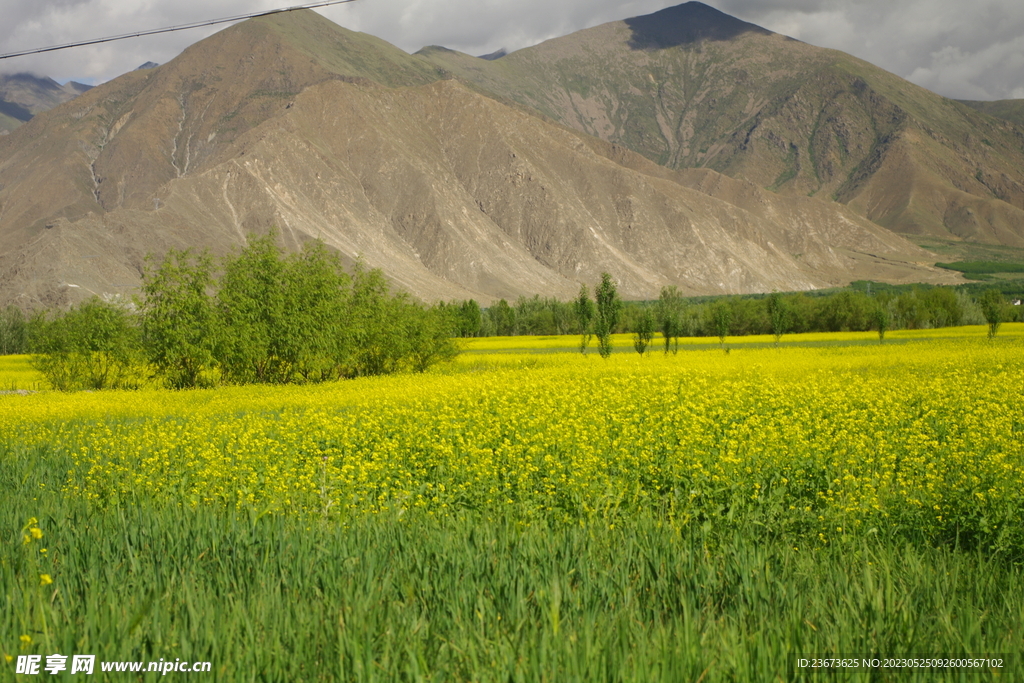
(15, 111)
(686, 24)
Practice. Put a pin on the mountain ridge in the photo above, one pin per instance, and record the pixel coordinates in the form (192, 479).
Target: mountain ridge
(783, 114)
(450, 191)
(23, 95)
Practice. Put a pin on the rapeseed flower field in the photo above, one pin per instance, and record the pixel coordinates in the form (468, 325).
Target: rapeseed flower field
(534, 516)
(920, 438)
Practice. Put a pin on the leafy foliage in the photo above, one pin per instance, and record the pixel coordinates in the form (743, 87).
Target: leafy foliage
(992, 305)
(180, 327)
(95, 346)
(778, 315)
(670, 315)
(271, 318)
(583, 308)
(14, 331)
(721, 318)
(644, 332)
(609, 306)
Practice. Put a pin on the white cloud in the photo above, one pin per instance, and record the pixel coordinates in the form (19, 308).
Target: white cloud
(971, 51)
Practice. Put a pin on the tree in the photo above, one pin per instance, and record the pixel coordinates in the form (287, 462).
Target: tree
(430, 336)
(316, 289)
(883, 318)
(503, 317)
(778, 315)
(644, 331)
(375, 326)
(992, 304)
(179, 322)
(94, 346)
(670, 315)
(721, 318)
(608, 308)
(583, 308)
(13, 331)
(470, 318)
(253, 307)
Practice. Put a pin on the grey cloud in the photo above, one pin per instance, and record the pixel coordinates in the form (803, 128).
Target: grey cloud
(957, 49)
(970, 51)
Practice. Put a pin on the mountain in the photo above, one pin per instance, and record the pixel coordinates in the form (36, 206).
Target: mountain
(24, 95)
(1008, 110)
(691, 87)
(293, 123)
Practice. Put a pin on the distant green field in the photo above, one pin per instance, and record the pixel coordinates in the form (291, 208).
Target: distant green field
(982, 270)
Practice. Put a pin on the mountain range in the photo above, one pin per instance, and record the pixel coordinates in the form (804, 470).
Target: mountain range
(23, 95)
(685, 147)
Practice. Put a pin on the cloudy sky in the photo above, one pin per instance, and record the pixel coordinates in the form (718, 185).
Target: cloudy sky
(972, 50)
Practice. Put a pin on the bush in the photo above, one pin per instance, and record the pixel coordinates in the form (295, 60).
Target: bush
(95, 346)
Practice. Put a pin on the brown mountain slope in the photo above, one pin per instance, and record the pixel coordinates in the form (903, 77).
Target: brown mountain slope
(452, 193)
(692, 87)
(120, 142)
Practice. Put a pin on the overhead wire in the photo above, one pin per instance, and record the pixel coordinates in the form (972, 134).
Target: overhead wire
(170, 29)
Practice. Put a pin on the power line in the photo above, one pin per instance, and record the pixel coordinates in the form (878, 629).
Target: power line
(169, 29)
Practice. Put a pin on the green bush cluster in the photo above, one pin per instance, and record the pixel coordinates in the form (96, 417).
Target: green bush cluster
(270, 317)
(94, 346)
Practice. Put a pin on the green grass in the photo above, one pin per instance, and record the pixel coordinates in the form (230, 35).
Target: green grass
(959, 250)
(276, 599)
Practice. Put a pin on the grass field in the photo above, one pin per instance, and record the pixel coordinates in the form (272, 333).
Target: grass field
(533, 516)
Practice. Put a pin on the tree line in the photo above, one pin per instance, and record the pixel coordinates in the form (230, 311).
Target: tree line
(674, 315)
(276, 318)
(259, 316)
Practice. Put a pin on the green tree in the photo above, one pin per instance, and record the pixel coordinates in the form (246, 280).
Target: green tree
(670, 315)
(14, 327)
(644, 331)
(316, 288)
(992, 305)
(778, 315)
(253, 306)
(179, 321)
(375, 326)
(470, 319)
(430, 336)
(721, 319)
(883, 318)
(583, 308)
(93, 346)
(609, 305)
(503, 318)
(534, 316)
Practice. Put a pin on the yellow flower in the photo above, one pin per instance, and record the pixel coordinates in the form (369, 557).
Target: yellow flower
(9, 658)
(36, 532)
(25, 640)
(45, 580)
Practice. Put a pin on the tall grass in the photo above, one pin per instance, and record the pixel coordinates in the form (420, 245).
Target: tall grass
(279, 598)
